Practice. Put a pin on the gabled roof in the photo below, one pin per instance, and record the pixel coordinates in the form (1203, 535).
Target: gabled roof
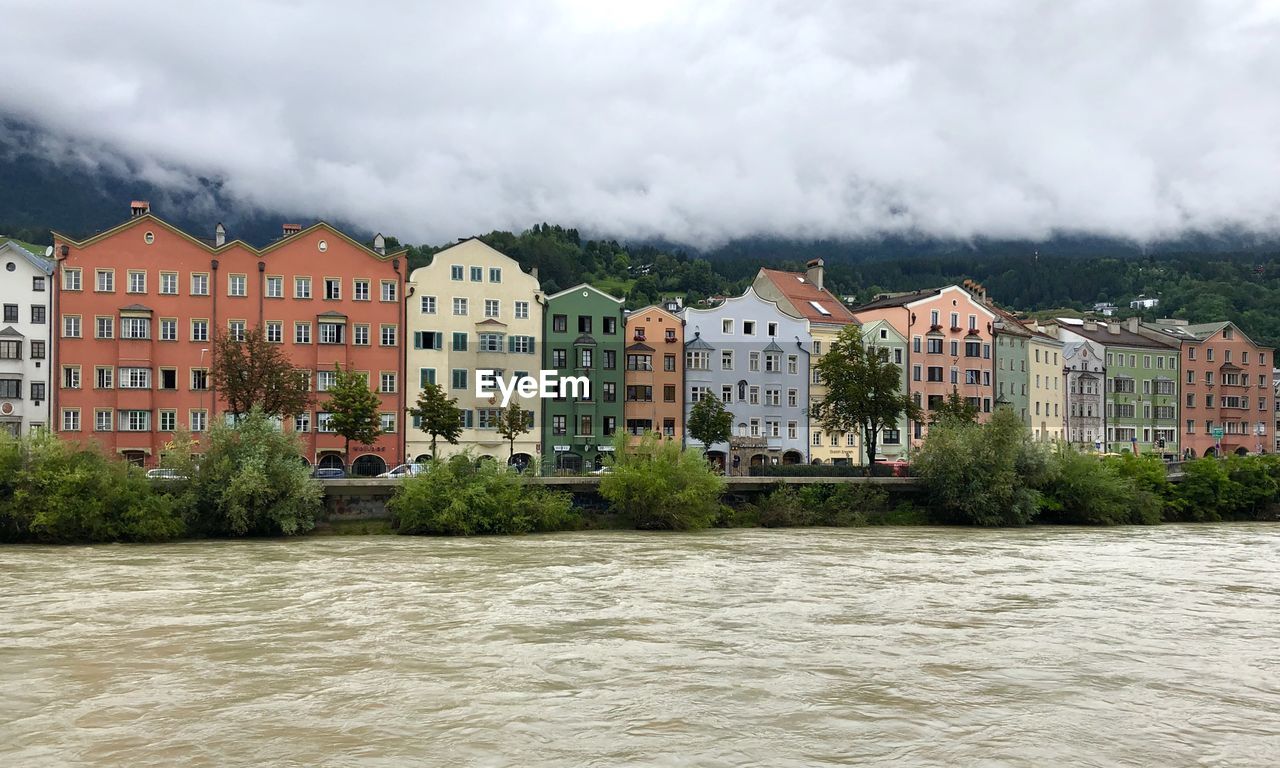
(152, 218)
(814, 304)
(584, 286)
(698, 343)
(22, 251)
(1122, 338)
(9, 330)
(772, 346)
(897, 300)
(639, 346)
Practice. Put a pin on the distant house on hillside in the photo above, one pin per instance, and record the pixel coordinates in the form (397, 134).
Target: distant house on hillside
(1143, 302)
(1105, 308)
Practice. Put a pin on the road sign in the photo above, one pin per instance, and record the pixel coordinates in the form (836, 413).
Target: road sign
(1217, 433)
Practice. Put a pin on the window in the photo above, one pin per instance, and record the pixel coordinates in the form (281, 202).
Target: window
(104, 328)
(610, 360)
(560, 323)
(584, 323)
(168, 378)
(459, 342)
(388, 290)
(168, 421)
(137, 281)
(935, 373)
(71, 326)
(459, 306)
(199, 330)
(275, 331)
(37, 350)
(71, 279)
(325, 380)
(70, 419)
(522, 310)
(199, 379)
(38, 314)
(585, 358)
(103, 420)
(275, 287)
(324, 422)
(668, 393)
(37, 391)
(11, 389)
(490, 342)
(668, 362)
(935, 346)
(301, 287)
(387, 383)
(302, 422)
(105, 280)
(331, 333)
(559, 425)
(236, 285)
(140, 328)
(301, 333)
(168, 329)
(332, 288)
(495, 274)
(360, 290)
(427, 305)
(522, 344)
(135, 378)
(37, 283)
(388, 422)
(639, 362)
(458, 378)
(491, 307)
(610, 391)
(585, 425)
(477, 274)
(455, 271)
(360, 335)
(199, 420)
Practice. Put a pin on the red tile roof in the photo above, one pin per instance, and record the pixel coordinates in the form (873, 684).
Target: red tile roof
(800, 292)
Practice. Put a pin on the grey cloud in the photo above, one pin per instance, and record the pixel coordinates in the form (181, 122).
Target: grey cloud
(690, 121)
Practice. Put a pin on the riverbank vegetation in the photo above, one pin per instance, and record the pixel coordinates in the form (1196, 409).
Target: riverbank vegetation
(659, 485)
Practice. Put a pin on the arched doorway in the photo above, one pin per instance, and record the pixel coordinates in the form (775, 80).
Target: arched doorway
(568, 462)
(422, 458)
(759, 460)
(816, 462)
(520, 461)
(598, 462)
(368, 465)
(1242, 451)
(717, 459)
(792, 457)
(305, 463)
(136, 458)
(330, 461)
(1210, 452)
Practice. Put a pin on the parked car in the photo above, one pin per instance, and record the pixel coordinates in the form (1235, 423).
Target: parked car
(404, 470)
(164, 473)
(328, 473)
(602, 471)
(899, 467)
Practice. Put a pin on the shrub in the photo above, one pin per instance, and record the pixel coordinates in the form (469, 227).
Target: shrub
(659, 485)
(250, 481)
(55, 492)
(1087, 490)
(1199, 497)
(833, 505)
(982, 474)
(464, 497)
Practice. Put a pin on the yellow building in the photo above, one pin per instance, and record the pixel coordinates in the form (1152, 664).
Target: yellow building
(1046, 393)
(473, 309)
(805, 295)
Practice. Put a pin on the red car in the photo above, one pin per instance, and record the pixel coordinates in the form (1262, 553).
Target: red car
(899, 467)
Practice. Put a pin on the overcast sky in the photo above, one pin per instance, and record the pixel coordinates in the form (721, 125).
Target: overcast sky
(694, 121)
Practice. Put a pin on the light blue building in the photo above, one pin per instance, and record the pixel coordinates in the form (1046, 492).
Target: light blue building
(754, 357)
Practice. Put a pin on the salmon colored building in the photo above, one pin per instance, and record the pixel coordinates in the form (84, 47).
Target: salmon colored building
(949, 335)
(138, 307)
(1226, 386)
(653, 379)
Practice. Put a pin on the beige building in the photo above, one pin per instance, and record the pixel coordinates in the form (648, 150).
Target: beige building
(1046, 392)
(473, 308)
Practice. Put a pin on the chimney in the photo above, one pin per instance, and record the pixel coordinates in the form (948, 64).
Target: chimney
(534, 273)
(219, 236)
(1113, 329)
(291, 229)
(380, 244)
(1131, 325)
(139, 208)
(813, 272)
(1090, 325)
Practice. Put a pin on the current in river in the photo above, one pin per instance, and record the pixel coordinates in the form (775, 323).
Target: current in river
(900, 646)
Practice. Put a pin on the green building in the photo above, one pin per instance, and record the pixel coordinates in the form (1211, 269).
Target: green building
(1013, 377)
(1142, 390)
(582, 338)
(894, 442)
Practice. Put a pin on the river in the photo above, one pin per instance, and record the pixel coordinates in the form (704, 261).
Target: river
(910, 646)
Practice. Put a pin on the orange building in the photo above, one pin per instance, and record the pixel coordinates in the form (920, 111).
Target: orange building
(653, 380)
(138, 308)
(949, 332)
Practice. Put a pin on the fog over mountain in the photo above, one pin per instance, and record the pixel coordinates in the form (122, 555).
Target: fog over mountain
(697, 123)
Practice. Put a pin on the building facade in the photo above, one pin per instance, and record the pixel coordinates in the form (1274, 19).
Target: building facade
(1086, 385)
(804, 294)
(582, 338)
(140, 306)
(471, 309)
(1142, 372)
(653, 377)
(26, 296)
(1226, 389)
(893, 443)
(951, 340)
(755, 357)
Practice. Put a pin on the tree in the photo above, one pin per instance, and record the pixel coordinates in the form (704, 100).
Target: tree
(437, 415)
(511, 424)
(255, 372)
(353, 410)
(709, 422)
(955, 408)
(659, 485)
(864, 390)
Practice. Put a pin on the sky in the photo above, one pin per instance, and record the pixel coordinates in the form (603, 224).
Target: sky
(695, 122)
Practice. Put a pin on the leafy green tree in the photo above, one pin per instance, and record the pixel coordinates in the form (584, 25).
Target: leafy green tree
(1083, 489)
(250, 481)
(512, 422)
(983, 474)
(659, 485)
(438, 415)
(353, 410)
(256, 373)
(954, 408)
(709, 422)
(864, 390)
(465, 497)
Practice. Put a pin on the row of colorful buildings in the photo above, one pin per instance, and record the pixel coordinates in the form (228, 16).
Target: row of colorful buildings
(109, 339)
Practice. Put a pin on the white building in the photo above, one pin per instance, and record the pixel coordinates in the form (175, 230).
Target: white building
(473, 309)
(24, 338)
(1144, 302)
